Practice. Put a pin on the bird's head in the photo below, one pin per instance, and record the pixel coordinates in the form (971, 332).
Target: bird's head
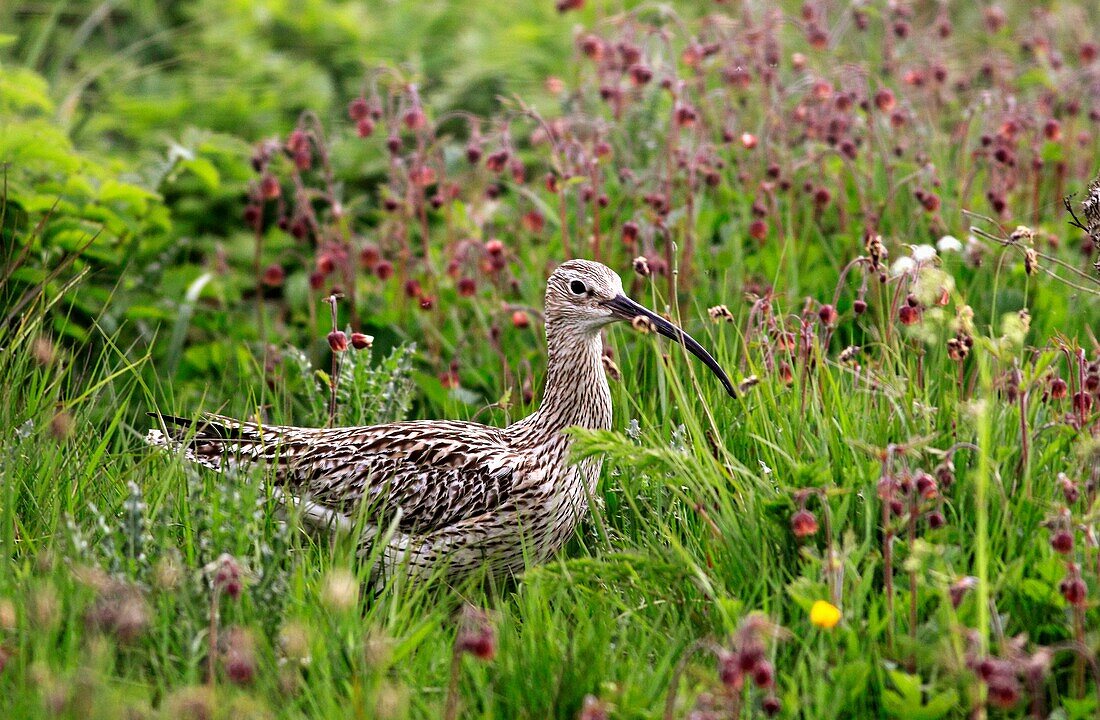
(584, 296)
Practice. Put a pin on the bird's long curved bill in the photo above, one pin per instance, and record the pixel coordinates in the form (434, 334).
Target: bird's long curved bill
(626, 309)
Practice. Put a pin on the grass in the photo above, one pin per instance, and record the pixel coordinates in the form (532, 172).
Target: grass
(909, 464)
(685, 540)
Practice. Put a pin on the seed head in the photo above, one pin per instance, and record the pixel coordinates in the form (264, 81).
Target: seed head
(121, 610)
(61, 425)
(295, 642)
(340, 590)
(7, 615)
(641, 266)
(167, 574)
(43, 351)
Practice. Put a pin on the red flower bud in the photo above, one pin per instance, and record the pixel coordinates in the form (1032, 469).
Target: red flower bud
(358, 109)
(414, 118)
(908, 315)
(338, 341)
(274, 275)
(803, 523)
(884, 100)
(630, 232)
(1062, 542)
(269, 187)
(763, 675)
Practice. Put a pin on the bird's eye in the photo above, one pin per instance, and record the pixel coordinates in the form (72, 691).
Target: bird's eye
(578, 287)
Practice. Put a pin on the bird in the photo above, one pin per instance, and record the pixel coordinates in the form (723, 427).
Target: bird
(456, 497)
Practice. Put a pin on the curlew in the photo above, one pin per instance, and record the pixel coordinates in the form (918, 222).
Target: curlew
(459, 493)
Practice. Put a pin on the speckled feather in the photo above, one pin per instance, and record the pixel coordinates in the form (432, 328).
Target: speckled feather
(462, 493)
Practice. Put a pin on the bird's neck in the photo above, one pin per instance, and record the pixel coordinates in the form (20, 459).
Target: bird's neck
(576, 388)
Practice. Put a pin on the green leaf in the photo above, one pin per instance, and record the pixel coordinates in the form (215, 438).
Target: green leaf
(205, 171)
(907, 700)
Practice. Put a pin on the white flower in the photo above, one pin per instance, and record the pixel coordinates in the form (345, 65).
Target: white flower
(903, 265)
(923, 253)
(949, 243)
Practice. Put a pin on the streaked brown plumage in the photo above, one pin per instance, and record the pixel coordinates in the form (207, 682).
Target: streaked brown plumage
(460, 493)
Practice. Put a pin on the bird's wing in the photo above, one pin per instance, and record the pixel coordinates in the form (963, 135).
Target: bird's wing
(434, 473)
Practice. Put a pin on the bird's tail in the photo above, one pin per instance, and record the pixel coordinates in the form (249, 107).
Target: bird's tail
(221, 442)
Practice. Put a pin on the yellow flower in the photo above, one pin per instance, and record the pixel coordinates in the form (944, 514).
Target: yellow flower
(824, 614)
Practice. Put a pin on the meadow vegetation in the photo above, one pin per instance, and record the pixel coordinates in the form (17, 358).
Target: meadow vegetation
(878, 217)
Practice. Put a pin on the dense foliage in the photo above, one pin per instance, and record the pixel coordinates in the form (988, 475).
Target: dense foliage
(858, 208)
